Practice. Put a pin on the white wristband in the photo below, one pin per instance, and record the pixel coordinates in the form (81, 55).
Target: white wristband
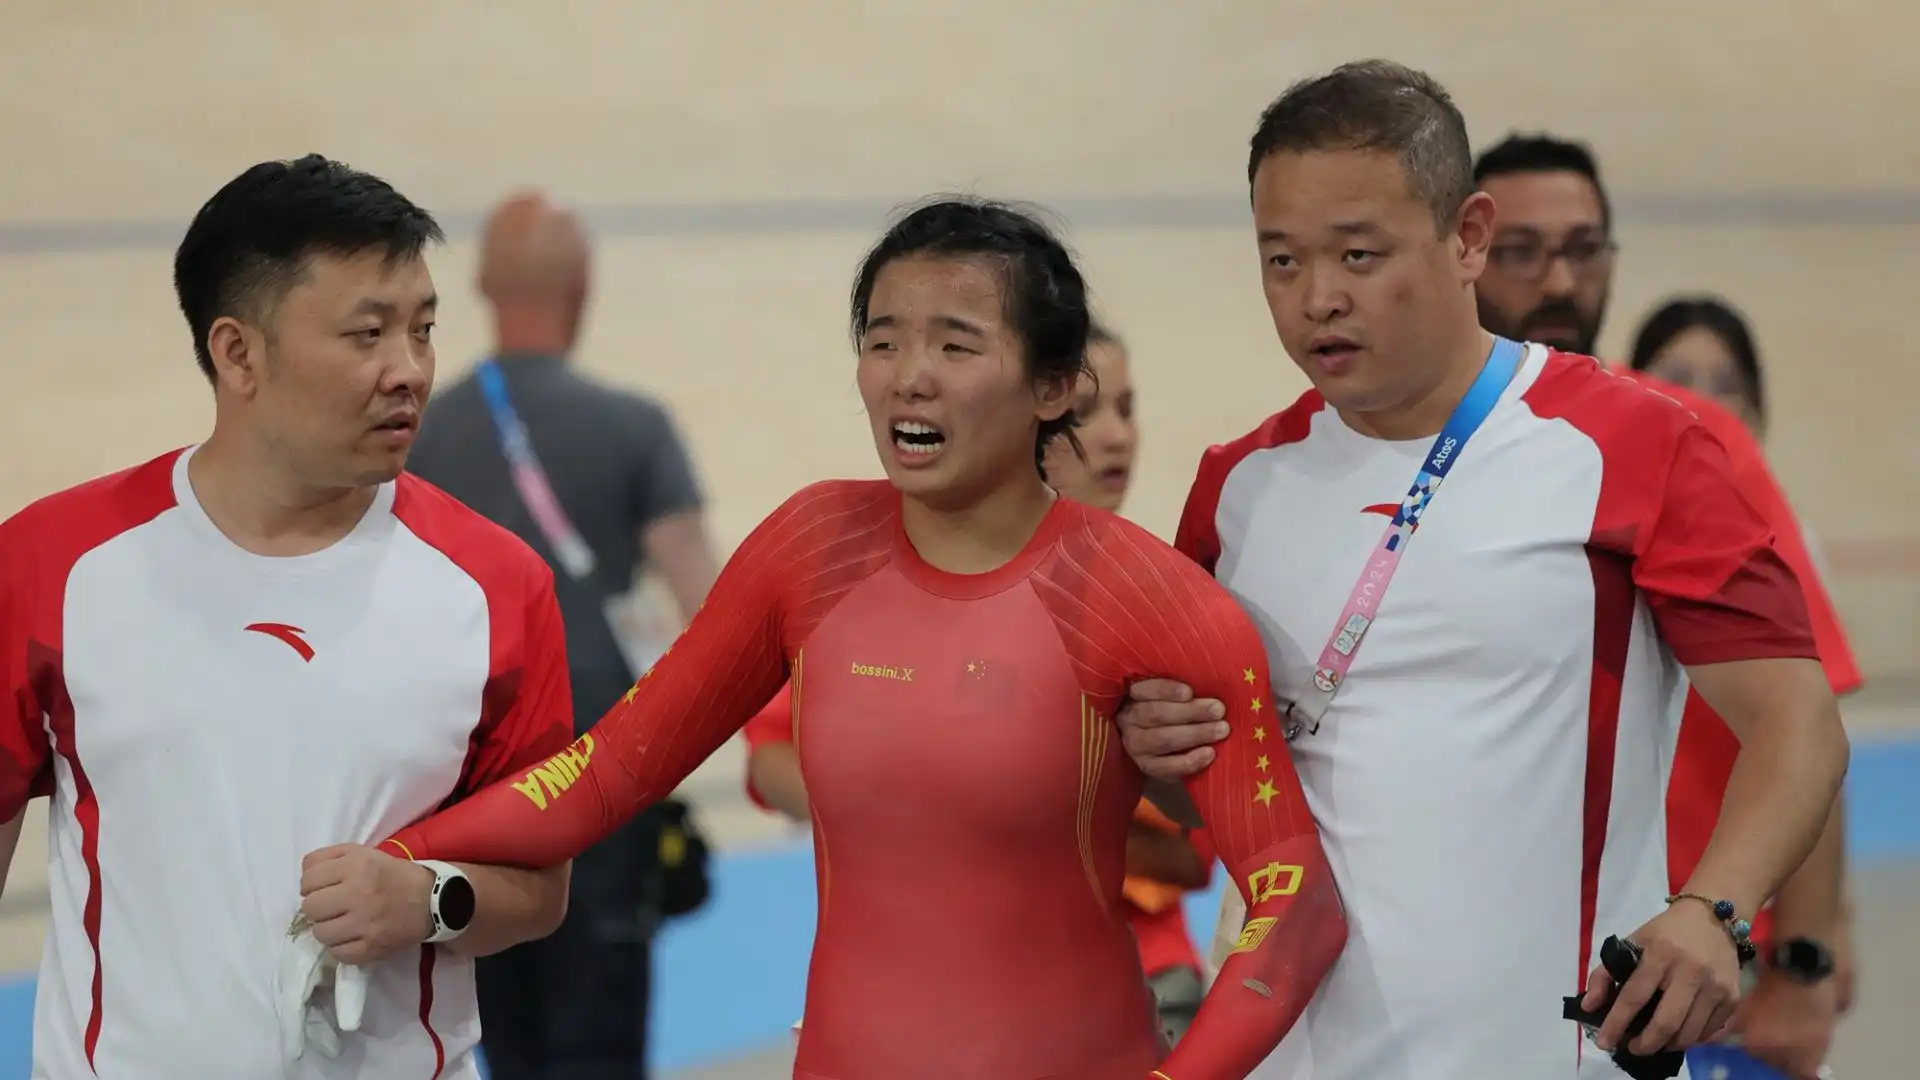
(451, 903)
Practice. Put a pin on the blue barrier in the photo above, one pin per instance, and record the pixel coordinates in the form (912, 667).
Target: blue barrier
(731, 978)
(1883, 800)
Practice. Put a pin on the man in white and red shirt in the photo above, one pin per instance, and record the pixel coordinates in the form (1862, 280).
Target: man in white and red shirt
(235, 665)
(1481, 680)
(1549, 274)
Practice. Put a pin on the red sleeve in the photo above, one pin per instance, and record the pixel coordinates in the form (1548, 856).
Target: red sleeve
(1708, 566)
(1829, 636)
(773, 724)
(24, 753)
(533, 697)
(723, 669)
(1256, 816)
(38, 549)
(1197, 536)
(1756, 481)
(1145, 611)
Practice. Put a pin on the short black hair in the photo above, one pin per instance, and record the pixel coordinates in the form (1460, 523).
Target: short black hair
(1045, 295)
(1543, 153)
(1679, 314)
(250, 243)
(1375, 105)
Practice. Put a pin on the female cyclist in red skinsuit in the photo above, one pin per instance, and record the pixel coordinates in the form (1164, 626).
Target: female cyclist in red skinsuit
(957, 639)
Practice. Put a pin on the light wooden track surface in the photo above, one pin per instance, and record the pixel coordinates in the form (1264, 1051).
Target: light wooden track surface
(1765, 150)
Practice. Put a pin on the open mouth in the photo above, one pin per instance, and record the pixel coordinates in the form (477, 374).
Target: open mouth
(1333, 350)
(914, 437)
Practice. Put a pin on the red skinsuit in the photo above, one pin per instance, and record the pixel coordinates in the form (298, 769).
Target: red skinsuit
(970, 796)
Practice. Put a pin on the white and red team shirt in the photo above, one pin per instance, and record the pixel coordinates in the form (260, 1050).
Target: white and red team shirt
(1490, 779)
(204, 717)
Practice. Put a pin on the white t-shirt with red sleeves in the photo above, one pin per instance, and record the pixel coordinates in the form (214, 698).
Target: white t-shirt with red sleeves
(1489, 780)
(203, 717)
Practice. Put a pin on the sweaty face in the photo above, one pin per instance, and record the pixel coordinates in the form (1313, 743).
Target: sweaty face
(1699, 360)
(348, 368)
(1354, 267)
(1107, 432)
(1551, 265)
(943, 375)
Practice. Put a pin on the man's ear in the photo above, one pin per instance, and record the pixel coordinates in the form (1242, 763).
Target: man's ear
(1473, 231)
(239, 354)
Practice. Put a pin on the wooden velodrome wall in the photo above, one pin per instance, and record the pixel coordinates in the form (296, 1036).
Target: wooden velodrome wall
(738, 155)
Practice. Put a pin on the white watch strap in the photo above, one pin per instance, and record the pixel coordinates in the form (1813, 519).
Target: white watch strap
(442, 873)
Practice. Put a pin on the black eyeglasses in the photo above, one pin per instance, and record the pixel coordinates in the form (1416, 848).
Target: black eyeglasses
(1531, 257)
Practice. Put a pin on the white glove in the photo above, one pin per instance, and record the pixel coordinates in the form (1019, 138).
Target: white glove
(305, 967)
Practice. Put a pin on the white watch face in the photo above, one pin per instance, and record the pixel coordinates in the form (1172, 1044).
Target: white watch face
(450, 904)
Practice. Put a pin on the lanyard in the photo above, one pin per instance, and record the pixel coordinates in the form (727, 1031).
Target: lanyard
(529, 478)
(1363, 604)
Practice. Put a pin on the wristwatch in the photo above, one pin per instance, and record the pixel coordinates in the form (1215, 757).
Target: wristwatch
(451, 901)
(1803, 960)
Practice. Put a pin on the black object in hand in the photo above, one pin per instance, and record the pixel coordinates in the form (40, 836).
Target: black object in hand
(1621, 957)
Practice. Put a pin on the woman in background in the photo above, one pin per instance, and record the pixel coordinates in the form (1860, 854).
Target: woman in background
(1163, 861)
(1703, 343)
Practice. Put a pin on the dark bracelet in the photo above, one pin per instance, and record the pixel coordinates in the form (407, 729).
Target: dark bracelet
(1737, 928)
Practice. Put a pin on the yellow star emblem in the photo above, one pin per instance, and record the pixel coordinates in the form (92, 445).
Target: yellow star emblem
(1248, 675)
(1256, 704)
(1261, 763)
(631, 690)
(1259, 733)
(1266, 793)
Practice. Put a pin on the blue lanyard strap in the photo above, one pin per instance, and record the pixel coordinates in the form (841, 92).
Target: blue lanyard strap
(569, 548)
(1467, 417)
(1363, 602)
(514, 442)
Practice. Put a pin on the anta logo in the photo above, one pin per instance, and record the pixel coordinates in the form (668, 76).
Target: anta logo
(872, 671)
(288, 634)
(1385, 510)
